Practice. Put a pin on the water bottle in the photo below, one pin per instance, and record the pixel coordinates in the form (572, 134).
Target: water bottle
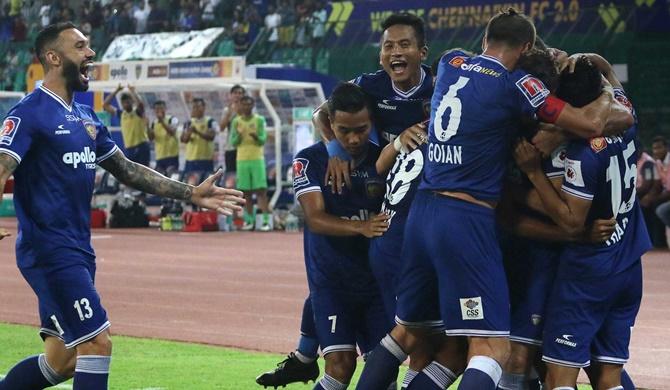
(292, 224)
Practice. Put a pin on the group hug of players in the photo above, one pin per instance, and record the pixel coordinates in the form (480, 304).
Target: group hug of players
(499, 241)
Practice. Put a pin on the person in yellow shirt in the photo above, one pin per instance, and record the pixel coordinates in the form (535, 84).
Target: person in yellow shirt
(163, 132)
(248, 135)
(198, 136)
(133, 124)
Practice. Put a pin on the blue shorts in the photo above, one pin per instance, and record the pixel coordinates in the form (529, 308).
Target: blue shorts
(167, 165)
(453, 260)
(69, 305)
(140, 154)
(592, 319)
(386, 265)
(531, 270)
(200, 168)
(343, 320)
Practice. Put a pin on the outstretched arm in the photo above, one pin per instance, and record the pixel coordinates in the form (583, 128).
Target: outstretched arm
(206, 195)
(7, 166)
(107, 104)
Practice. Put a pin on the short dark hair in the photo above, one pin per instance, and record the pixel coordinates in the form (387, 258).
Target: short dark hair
(247, 97)
(407, 19)
(125, 96)
(159, 103)
(582, 86)
(48, 36)
(540, 64)
(661, 139)
(236, 87)
(511, 28)
(348, 97)
(198, 100)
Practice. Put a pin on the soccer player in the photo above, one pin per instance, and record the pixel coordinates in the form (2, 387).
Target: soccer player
(450, 241)
(401, 92)
(198, 135)
(346, 303)
(52, 145)
(248, 135)
(229, 113)
(163, 132)
(598, 289)
(133, 124)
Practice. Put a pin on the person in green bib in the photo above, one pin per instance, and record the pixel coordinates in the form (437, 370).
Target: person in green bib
(163, 133)
(248, 135)
(133, 124)
(198, 135)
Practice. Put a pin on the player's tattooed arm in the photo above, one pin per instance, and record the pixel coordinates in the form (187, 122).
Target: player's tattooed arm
(144, 179)
(206, 195)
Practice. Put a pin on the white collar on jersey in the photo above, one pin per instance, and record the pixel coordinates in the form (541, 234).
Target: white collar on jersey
(497, 61)
(56, 97)
(412, 90)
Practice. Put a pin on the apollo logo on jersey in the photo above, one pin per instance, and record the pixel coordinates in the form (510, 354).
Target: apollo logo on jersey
(471, 308)
(9, 128)
(532, 89)
(75, 158)
(300, 172)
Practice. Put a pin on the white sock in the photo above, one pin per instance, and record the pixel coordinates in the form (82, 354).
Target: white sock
(440, 375)
(330, 383)
(303, 359)
(488, 366)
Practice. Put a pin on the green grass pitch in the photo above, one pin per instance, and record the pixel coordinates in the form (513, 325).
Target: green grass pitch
(150, 364)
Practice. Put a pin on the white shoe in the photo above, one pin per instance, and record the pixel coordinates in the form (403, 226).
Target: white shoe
(247, 226)
(265, 228)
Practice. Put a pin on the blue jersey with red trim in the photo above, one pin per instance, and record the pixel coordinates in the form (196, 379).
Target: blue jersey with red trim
(475, 113)
(603, 170)
(57, 146)
(339, 263)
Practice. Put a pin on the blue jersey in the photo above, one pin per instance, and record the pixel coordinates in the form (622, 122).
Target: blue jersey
(57, 146)
(395, 110)
(475, 113)
(603, 170)
(339, 263)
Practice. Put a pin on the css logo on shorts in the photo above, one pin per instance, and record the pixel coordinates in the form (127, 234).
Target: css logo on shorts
(472, 309)
(75, 158)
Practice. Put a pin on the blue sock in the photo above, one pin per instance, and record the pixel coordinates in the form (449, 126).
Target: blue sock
(308, 345)
(626, 381)
(91, 372)
(482, 373)
(330, 383)
(534, 384)
(434, 376)
(32, 373)
(381, 368)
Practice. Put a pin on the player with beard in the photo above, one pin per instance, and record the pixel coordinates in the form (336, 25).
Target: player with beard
(53, 145)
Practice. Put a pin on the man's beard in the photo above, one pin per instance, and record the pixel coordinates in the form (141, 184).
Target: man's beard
(72, 75)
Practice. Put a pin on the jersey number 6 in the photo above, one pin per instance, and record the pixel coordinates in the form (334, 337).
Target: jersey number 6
(452, 102)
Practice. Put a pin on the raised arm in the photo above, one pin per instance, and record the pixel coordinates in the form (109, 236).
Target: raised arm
(139, 105)
(320, 222)
(321, 122)
(107, 104)
(207, 194)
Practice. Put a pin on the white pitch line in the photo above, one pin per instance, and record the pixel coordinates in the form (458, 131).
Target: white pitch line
(100, 236)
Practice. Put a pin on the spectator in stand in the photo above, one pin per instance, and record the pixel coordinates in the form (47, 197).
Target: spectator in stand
(95, 17)
(141, 14)
(15, 7)
(288, 19)
(648, 188)
(190, 17)
(272, 22)
(208, 13)
(163, 132)
(6, 25)
(133, 125)
(20, 31)
(158, 18)
(302, 28)
(662, 157)
(240, 33)
(319, 17)
(45, 13)
(198, 135)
